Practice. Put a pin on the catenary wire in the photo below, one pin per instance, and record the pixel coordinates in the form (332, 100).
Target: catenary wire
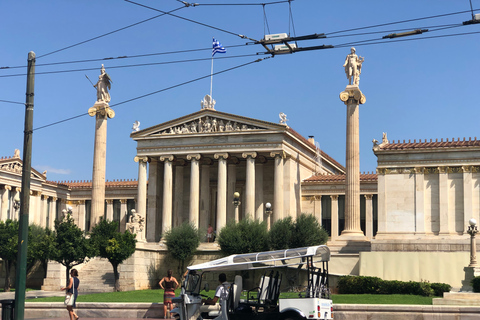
(13, 102)
(111, 32)
(155, 92)
(131, 65)
(239, 4)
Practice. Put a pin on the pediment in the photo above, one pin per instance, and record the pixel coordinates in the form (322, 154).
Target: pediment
(15, 166)
(208, 121)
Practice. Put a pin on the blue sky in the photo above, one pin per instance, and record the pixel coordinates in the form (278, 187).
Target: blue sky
(416, 89)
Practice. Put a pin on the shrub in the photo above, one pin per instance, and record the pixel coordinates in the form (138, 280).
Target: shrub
(280, 234)
(440, 288)
(308, 232)
(182, 242)
(358, 285)
(476, 284)
(244, 236)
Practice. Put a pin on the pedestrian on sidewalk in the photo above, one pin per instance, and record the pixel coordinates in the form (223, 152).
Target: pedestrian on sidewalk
(168, 284)
(72, 290)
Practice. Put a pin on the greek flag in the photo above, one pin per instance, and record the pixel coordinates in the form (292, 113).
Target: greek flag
(217, 47)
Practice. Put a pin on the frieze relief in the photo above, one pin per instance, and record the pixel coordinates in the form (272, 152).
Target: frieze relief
(12, 167)
(429, 170)
(209, 125)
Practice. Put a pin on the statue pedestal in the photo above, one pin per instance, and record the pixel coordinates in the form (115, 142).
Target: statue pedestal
(470, 273)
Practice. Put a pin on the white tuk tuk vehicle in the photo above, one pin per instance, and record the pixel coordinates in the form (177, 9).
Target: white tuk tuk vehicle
(262, 302)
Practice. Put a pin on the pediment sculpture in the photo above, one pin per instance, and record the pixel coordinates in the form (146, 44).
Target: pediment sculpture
(209, 124)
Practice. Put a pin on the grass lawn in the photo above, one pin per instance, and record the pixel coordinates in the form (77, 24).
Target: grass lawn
(156, 296)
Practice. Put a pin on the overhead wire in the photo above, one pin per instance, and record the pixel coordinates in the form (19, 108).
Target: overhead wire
(13, 102)
(109, 33)
(155, 92)
(240, 4)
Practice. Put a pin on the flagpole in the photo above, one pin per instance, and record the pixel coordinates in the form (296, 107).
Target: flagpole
(211, 78)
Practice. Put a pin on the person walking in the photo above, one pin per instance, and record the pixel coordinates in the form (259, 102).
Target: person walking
(168, 284)
(72, 290)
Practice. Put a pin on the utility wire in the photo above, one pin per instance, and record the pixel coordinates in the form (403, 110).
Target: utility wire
(111, 32)
(131, 65)
(155, 92)
(193, 21)
(240, 4)
(14, 102)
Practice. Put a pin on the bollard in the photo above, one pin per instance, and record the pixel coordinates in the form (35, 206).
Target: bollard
(8, 309)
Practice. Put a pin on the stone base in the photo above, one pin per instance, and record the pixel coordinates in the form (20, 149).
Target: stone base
(458, 299)
(470, 273)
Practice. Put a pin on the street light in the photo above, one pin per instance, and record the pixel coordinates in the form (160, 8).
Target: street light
(268, 211)
(236, 203)
(472, 231)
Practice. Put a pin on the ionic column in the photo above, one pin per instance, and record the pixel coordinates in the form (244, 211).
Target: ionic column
(278, 185)
(178, 197)
(259, 200)
(52, 214)
(250, 184)
(334, 215)
(154, 194)
(352, 97)
(443, 200)
(43, 211)
(101, 111)
(368, 216)
(141, 207)
(221, 190)
(167, 193)
(109, 216)
(468, 212)
(123, 214)
(194, 188)
(231, 187)
(81, 215)
(205, 201)
(317, 208)
(420, 200)
(4, 202)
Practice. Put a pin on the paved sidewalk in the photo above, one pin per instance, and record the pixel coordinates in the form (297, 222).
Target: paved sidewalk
(32, 294)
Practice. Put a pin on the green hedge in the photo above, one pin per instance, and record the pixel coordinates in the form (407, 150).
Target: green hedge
(374, 285)
(476, 284)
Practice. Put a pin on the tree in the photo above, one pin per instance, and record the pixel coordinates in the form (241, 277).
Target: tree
(244, 236)
(182, 242)
(113, 245)
(281, 233)
(71, 248)
(308, 232)
(8, 247)
(40, 246)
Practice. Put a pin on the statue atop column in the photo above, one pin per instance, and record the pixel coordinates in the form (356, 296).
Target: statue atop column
(103, 85)
(353, 67)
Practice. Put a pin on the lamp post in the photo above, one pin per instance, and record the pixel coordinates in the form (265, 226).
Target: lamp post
(236, 203)
(472, 231)
(269, 212)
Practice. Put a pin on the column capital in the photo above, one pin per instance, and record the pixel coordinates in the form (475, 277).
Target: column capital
(109, 201)
(252, 154)
(194, 156)
(80, 202)
(419, 170)
(123, 201)
(167, 157)
(140, 159)
(352, 94)
(102, 108)
(442, 169)
(54, 199)
(18, 189)
(368, 196)
(334, 197)
(223, 155)
(6, 187)
(467, 168)
(280, 154)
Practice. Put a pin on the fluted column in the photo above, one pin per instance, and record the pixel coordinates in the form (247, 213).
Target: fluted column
(250, 184)
(178, 197)
(194, 188)
(141, 207)
(231, 187)
(368, 216)
(4, 202)
(352, 97)
(109, 216)
(167, 193)
(259, 200)
(278, 185)
(101, 111)
(221, 190)
(334, 217)
(206, 215)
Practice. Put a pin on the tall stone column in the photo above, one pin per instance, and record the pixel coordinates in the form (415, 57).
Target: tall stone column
(334, 217)
(109, 216)
(221, 190)
(468, 211)
(352, 97)
(205, 201)
(101, 111)
(419, 200)
(259, 200)
(368, 216)
(193, 210)
(4, 202)
(154, 200)
(178, 197)
(443, 200)
(250, 184)
(81, 215)
(278, 185)
(123, 214)
(141, 207)
(52, 214)
(167, 193)
(317, 209)
(231, 187)
(43, 211)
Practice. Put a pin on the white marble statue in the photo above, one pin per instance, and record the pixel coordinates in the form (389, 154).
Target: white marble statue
(283, 118)
(353, 67)
(136, 223)
(103, 85)
(136, 126)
